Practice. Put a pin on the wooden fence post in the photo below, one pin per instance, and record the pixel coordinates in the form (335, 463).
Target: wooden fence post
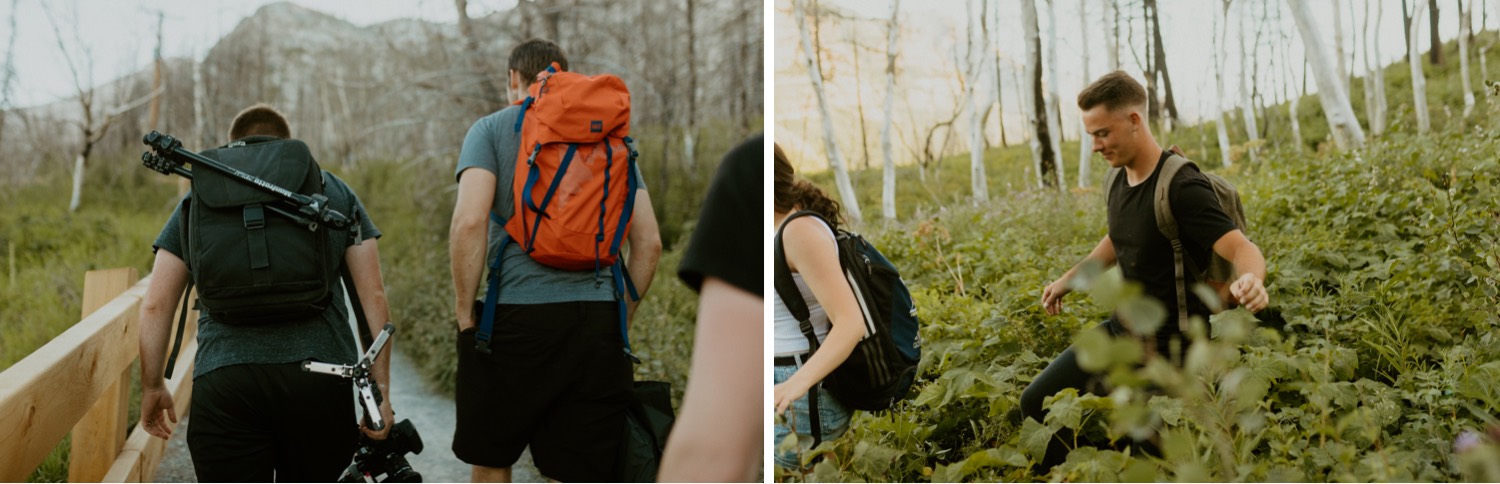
(99, 436)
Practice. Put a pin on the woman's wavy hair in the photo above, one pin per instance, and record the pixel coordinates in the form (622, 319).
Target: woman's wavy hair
(793, 193)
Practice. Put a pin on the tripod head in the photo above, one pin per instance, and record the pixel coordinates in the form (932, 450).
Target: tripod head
(360, 372)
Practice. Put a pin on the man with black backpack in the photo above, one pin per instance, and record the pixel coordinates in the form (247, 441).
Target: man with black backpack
(271, 298)
(1160, 232)
(548, 197)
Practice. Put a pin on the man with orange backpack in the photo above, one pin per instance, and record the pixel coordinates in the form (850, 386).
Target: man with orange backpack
(549, 196)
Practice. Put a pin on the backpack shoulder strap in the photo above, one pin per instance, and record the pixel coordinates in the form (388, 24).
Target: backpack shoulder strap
(1167, 224)
(1109, 182)
(787, 288)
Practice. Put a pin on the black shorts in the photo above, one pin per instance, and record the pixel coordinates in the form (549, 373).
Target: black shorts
(270, 423)
(557, 379)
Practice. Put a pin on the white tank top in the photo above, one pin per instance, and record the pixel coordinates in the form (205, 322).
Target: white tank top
(789, 338)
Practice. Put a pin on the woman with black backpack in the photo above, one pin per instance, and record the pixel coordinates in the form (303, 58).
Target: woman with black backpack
(812, 254)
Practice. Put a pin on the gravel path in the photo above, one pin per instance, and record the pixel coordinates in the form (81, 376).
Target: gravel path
(432, 413)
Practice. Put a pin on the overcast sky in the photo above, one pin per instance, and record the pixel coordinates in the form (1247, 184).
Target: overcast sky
(120, 35)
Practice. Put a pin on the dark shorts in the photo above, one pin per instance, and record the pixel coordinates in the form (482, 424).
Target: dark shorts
(557, 379)
(271, 422)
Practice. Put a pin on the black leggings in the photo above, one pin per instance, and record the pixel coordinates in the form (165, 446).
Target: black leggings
(1064, 373)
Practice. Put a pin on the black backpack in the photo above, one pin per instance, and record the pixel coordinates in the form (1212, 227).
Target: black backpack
(884, 363)
(253, 266)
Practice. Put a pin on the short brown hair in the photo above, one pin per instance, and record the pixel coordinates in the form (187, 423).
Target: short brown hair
(533, 56)
(1114, 90)
(260, 119)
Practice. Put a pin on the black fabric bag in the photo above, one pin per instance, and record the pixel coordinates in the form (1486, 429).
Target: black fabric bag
(253, 266)
(648, 421)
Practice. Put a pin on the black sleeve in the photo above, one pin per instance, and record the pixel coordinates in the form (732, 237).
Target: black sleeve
(728, 240)
(1200, 219)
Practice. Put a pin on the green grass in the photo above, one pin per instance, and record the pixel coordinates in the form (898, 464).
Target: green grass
(1379, 348)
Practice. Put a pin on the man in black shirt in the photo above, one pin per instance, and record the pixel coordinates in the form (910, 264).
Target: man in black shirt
(1114, 108)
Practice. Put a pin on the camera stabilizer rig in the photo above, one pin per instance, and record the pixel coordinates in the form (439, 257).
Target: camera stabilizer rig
(369, 393)
(167, 156)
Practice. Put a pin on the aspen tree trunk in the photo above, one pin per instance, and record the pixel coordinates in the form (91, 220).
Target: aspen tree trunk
(1341, 121)
(1418, 80)
(1085, 142)
(1035, 102)
(1338, 45)
(835, 161)
(1247, 79)
(1221, 35)
(1382, 111)
(1111, 21)
(977, 103)
(1054, 120)
(1373, 75)
(1465, 14)
(888, 182)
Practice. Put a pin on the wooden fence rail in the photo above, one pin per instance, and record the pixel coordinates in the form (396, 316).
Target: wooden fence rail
(80, 382)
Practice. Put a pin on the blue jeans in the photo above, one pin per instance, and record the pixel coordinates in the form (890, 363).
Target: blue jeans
(832, 415)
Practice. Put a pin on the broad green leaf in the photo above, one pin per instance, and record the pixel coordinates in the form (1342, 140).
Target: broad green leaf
(1092, 347)
(1063, 410)
(1142, 315)
(1034, 438)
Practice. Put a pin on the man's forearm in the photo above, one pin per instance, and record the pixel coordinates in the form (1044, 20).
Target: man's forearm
(466, 249)
(1249, 260)
(641, 265)
(156, 328)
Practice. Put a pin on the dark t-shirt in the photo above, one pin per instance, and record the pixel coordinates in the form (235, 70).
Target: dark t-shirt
(728, 240)
(327, 339)
(1145, 255)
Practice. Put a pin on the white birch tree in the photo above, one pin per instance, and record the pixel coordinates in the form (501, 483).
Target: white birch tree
(1375, 105)
(1247, 79)
(888, 178)
(978, 58)
(1418, 80)
(1034, 102)
(1466, 11)
(1085, 142)
(835, 161)
(1221, 36)
(1054, 119)
(1341, 121)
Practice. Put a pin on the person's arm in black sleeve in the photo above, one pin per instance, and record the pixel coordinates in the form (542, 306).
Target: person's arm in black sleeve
(1200, 220)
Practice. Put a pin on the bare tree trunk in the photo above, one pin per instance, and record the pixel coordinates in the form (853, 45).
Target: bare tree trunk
(491, 98)
(835, 161)
(1085, 142)
(1169, 101)
(156, 75)
(1153, 101)
(1054, 121)
(977, 56)
(1341, 120)
(1374, 76)
(1221, 37)
(1406, 24)
(200, 131)
(8, 70)
(1338, 45)
(859, 97)
(1296, 98)
(1437, 43)
(1112, 22)
(1043, 157)
(1465, 15)
(888, 185)
(690, 134)
(1418, 80)
(1247, 80)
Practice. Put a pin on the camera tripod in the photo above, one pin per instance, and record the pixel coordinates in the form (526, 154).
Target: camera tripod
(369, 393)
(168, 157)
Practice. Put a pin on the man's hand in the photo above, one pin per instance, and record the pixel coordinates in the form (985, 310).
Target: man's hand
(153, 402)
(386, 415)
(465, 316)
(1052, 295)
(1250, 292)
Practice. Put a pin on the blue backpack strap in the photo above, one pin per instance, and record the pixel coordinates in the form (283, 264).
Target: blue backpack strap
(526, 105)
(531, 180)
(491, 296)
(624, 285)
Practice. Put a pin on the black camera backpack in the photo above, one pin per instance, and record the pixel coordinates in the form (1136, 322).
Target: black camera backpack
(253, 266)
(884, 363)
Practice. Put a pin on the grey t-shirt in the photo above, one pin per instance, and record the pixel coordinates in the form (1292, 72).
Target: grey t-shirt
(327, 339)
(491, 145)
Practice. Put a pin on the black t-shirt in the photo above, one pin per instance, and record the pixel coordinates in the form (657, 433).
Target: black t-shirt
(728, 240)
(1145, 255)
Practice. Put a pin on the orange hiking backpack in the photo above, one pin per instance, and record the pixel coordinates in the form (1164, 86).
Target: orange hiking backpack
(576, 191)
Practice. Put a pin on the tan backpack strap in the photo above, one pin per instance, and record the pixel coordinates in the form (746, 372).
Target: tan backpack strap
(1109, 182)
(1167, 224)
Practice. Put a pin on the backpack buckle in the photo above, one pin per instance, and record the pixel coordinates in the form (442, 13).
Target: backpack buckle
(255, 217)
